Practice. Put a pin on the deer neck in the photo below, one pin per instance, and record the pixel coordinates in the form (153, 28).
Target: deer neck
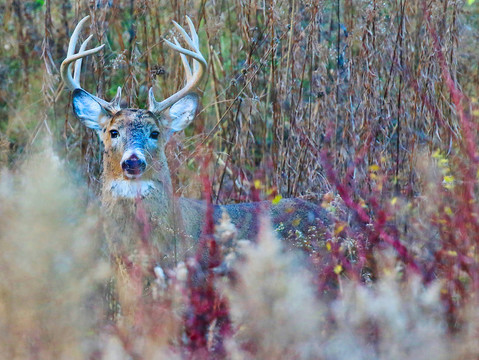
(133, 208)
(153, 193)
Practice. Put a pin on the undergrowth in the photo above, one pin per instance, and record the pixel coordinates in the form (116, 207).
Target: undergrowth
(368, 109)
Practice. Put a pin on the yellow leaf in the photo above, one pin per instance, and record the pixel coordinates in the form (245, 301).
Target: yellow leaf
(443, 162)
(374, 167)
(448, 182)
(257, 184)
(380, 186)
(328, 246)
(337, 269)
(448, 210)
(452, 253)
(436, 154)
(448, 179)
(339, 227)
(276, 199)
(394, 200)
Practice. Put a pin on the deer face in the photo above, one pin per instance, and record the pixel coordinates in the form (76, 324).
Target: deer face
(133, 139)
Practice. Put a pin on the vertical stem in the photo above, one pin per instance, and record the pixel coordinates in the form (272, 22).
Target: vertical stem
(286, 81)
(399, 98)
(64, 12)
(131, 54)
(271, 94)
(338, 49)
(49, 66)
(147, 47)
(213, 71)
(22, 53)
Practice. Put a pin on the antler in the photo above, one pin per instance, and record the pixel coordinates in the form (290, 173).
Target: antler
(73, 83)
(193, 77)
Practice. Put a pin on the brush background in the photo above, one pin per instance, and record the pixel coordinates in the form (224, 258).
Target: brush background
(347, 98)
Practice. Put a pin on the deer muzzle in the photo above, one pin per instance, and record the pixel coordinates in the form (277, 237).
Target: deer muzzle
(133, 164)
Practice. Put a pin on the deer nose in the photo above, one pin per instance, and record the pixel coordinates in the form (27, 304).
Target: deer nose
(133, 165)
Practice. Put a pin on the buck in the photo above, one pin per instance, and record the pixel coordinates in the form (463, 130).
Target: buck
(136, 178)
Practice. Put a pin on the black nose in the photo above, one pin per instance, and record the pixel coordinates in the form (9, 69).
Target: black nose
(133, 165)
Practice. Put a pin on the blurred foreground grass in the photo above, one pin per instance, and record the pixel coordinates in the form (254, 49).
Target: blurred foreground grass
(345, 103)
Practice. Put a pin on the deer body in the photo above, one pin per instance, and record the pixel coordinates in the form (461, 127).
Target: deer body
(137, 194)
(176, 224)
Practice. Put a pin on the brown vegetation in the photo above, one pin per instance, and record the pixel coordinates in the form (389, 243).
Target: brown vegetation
(366, 108)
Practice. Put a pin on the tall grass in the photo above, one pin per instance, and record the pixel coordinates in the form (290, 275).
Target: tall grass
(367, 108)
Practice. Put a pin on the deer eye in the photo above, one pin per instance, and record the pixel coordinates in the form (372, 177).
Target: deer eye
(154, 135)
(114, 134)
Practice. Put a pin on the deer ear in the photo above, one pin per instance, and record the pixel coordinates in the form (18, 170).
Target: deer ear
(181, 113)
(89, 111)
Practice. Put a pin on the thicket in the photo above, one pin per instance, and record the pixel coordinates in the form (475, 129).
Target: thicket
(367, 108)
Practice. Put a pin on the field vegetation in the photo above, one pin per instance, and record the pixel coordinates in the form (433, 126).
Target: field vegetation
(367, 108)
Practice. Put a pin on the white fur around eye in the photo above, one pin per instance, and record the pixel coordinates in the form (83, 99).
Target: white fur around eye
(152, 142)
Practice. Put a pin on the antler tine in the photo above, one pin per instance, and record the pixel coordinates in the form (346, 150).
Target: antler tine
(74, 37)
(78, 63)
(194, 55)
(194, 35)
(186, 65)
(195, 39)
(192, 77)
(185, 35)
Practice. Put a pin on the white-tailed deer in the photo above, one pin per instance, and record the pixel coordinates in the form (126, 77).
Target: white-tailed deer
(135, 170)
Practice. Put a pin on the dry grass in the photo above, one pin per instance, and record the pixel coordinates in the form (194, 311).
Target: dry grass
(368, 108)
(50, 264)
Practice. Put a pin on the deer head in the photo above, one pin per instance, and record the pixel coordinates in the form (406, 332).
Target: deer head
(134, 139)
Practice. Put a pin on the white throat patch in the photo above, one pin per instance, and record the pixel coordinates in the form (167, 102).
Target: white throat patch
(130, 188)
